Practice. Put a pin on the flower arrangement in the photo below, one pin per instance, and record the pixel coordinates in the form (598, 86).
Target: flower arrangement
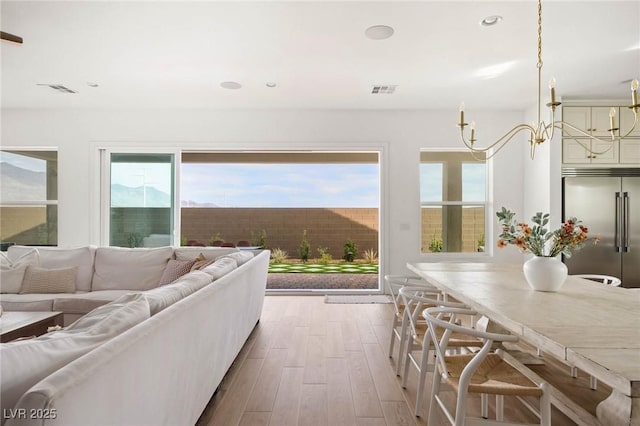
(537, 239)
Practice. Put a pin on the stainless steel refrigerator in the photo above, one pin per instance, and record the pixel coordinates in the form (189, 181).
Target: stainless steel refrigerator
(608, 203)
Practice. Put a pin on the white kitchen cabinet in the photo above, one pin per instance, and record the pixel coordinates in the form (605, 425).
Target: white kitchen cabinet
(574, 153)
(630, 152)
(626, 122)
(595, 121)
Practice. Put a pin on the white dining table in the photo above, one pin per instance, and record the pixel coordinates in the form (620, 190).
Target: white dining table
(585, 324)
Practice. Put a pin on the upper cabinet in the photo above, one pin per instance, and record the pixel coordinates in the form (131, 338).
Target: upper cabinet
(595, 121)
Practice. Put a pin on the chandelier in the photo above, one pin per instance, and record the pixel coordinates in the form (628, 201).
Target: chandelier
(540, 132)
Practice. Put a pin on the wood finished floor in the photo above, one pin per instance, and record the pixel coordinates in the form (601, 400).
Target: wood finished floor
(311, 363)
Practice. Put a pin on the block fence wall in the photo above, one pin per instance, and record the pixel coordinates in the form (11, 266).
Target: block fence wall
(326, 227)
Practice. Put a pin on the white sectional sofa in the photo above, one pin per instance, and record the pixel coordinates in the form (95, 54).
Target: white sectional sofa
(132, 352)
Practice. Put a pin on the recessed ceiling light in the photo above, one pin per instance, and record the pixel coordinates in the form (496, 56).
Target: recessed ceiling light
(491, 20)
(379, 32)
(230, 85)
(92, 84)
(271, 84)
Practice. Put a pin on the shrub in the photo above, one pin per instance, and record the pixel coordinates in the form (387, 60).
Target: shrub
(435, 245)
(216, 237)
(278, 255)
(370, 256)
(305, 247)
(350, 250)
(325, 257)
(259, 239)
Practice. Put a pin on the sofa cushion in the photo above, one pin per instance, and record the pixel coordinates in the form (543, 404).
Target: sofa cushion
(174, 270)
(221, 267)
(139, 269)
(24, 363)
(42, 280)
(55, 257)
(190, 253)
(12, 269)
(82, 303)
(241, 257)
(28, 302)
(162, 297)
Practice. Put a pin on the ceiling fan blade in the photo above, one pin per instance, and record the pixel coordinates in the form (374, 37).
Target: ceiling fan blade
(10, 37)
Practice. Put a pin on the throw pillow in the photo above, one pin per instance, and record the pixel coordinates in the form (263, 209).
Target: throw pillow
(201, 262)
(12, 271)
(174, 270)
(41, 280)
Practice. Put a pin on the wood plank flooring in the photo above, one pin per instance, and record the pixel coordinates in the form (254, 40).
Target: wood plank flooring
(311, 363)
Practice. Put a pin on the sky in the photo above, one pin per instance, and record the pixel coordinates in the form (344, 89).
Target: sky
(282, 185)
(279, 185)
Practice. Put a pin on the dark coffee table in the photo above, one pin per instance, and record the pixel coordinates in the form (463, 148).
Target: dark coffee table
(16, 324)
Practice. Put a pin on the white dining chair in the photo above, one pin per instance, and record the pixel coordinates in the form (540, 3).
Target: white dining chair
(417, 337)
(483, 372)
(393, 285)
(604, 279)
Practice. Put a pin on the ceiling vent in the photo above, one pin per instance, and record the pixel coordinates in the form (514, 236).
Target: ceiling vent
(58, 87)
(383, 90)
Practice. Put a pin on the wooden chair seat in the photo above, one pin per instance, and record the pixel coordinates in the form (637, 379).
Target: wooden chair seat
(494, 376)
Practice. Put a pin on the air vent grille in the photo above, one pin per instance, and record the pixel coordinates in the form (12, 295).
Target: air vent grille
(384, 89)
(58, 87)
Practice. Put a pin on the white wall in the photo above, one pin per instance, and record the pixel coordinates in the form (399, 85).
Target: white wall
(76, 133)
(542, 174)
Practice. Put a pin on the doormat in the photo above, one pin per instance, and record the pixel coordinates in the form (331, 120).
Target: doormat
(369, 298)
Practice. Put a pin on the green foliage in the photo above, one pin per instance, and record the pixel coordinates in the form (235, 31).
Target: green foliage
(325, 256)
(259, 239)
(435, 245)
(350, 250)
(135, 239)
(370, 256)
(481, 243)
(183, 240)
(278, 255)
(305, 247)
(215, 237)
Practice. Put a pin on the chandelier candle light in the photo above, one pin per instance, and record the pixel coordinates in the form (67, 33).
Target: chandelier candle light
(538, 133)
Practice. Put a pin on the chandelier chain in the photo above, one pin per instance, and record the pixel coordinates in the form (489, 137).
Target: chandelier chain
(539, 34)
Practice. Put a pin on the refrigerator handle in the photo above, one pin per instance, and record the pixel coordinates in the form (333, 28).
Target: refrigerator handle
(619, 231)
(625, 221)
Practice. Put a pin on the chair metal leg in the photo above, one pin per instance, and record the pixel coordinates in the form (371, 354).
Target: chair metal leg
(433, 404)
(403, 343)
(593, 383)
(393, 335)
(484, 403)
(574, 372)
(499, 408)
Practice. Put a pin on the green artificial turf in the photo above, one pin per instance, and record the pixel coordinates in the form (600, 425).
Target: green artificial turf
(318, 268)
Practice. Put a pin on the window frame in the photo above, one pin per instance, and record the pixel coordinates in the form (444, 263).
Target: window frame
(36, 203)
(486, 203)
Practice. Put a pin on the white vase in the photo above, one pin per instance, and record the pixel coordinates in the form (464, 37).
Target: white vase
(545, 273)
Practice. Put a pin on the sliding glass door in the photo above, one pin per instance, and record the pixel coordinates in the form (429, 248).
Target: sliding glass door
(141, 204)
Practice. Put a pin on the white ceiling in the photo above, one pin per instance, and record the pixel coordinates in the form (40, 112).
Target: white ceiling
(175, 54)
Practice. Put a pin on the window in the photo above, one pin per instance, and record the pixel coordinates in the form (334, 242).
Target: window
(141, 200)
(453, 202)
(29, 197)
(274, 198)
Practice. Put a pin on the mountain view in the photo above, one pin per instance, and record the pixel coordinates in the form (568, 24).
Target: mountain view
(22, 184)
(125, 196)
